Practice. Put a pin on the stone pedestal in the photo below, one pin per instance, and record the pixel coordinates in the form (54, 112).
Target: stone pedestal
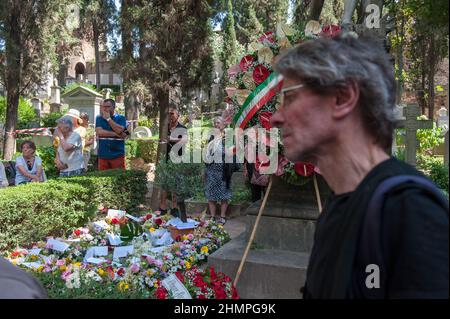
(276, 267)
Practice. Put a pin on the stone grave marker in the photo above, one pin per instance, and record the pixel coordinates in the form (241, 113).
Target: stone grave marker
(411, 124)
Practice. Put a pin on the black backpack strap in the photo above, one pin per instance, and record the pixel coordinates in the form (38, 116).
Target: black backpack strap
(370, 245)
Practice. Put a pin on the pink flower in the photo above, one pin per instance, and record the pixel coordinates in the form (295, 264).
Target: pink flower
(233, 70)
(134, 268)
(267, 37)
(246, 62)
(282, 162)
(65, 275)
(60, 262)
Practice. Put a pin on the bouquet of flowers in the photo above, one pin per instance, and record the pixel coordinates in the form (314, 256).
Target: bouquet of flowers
(206, 284)
(253, 89)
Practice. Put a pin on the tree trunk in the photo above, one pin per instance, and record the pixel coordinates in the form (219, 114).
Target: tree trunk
(301, 11)
(431, 73)
(131, 111)
(400, 61)
(12, 81)
(315, 10)
(163, 102)
(97, 54)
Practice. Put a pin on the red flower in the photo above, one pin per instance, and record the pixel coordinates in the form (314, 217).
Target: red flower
(77, 232)
(148, 216)
(260, 73)
(212, 274)
(201, 297)
(268, 36)
(114, 221)
(179, 276)
(158, 221)
(120, 272)
(110, 272)
(104, 210)
(161, 293)
(264, 119)
(220, 293)
(304, 169)
(330, 31)
(246, 62)
(178, 238)
(15, 254)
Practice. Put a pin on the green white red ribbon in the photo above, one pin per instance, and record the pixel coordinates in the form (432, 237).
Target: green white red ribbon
(256, 100)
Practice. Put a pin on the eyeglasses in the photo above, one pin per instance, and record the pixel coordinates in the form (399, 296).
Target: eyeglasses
(290, 88)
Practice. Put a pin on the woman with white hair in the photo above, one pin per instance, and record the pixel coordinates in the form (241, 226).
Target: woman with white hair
(217, 173)
(69, 156)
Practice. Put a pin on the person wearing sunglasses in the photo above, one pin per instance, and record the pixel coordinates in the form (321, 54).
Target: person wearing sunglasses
(29, 165)
(383, 233)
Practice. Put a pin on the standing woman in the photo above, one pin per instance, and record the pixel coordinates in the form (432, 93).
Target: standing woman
(89, 140)
(29, 165)
(217, 176)
(69, 156)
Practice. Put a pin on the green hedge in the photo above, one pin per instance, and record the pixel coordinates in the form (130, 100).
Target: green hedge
(116, 188)
(145, 149)
(32, 211)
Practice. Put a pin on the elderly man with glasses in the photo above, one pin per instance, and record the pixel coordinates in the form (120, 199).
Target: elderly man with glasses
(337, 112)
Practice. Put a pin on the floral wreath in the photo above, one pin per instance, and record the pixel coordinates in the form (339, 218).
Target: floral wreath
(253, 89)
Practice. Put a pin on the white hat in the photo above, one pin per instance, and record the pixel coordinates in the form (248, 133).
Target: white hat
(74, 113)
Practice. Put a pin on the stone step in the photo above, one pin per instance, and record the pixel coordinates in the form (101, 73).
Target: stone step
(267, 273)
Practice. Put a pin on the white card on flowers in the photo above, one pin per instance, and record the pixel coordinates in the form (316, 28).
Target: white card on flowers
(176, 287)
(96, 261)
(178, 223)
(56, 245)
(34, 251)
(96, 251)
(115, 213)
(114, 239)
(34, 265)
(165, 240)
(101, 224)
(122, 251)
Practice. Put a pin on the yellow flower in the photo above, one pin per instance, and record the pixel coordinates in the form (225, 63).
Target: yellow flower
(62, 268)
(151, 230)
(150, 272)
(191, 259)
(40, 268)
(123, 286)
(184, 237)
(204, 250)
(155, 284)
(14, 262)
(187, 264)
(101, 272)
(77, 264)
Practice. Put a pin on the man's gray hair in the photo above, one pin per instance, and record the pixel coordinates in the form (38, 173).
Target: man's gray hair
(325, 65)
(66, 121)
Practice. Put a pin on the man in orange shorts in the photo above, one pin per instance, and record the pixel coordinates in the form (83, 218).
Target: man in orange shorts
(111, 129)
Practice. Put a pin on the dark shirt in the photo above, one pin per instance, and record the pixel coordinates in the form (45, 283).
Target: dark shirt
(414, 235)
(109, 149)
(171, 144)
(18, 284)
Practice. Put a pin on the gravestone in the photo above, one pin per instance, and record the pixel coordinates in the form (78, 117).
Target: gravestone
(411, 125)
(443, 117)
(276, 268)
(84, 100)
